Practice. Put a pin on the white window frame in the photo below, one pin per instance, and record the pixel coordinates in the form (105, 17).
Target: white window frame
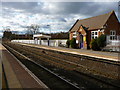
(112, 34)
(74, 34)
(93, 34)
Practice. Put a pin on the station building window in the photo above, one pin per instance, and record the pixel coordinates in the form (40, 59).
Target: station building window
(74, 34)
(112, 35)
(94, 34)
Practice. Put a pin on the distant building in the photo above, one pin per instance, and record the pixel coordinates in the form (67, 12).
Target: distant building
(87, 29)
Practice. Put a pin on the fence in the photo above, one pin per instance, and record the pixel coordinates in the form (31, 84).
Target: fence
(116, 38)
(113, 44)
(55, 43)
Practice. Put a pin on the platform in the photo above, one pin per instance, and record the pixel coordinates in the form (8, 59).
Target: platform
(17, 76)
(97, 54)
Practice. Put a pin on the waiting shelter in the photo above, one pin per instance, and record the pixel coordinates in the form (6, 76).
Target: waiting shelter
(38, 37)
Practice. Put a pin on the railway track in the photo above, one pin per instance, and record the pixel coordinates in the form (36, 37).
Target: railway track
(41, 56)
(44, 74)
(68, 62)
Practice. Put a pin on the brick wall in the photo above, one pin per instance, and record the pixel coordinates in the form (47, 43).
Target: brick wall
(112, 24)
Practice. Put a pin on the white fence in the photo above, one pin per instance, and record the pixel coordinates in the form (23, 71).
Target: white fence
(114, 45)
(55, 43)
(116, 39)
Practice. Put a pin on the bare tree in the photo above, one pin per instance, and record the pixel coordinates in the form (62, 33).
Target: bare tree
(34, 28)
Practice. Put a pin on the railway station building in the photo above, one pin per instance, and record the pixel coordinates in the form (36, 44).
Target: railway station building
(91, 28)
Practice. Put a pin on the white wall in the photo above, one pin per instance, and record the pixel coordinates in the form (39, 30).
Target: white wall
(43, 42)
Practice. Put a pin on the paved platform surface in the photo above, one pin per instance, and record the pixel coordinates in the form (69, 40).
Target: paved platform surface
(16, 75)
(97, 54)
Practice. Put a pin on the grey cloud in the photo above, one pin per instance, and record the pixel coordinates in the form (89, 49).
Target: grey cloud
(19, 5)
(67, 8)
(13, 23)
(85, 8)
(62, 11)
(45, 26)
(59, 18)
(62, 19)
(27, 7)
(22, 26)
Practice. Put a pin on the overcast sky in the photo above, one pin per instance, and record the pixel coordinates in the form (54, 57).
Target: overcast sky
(60, 16)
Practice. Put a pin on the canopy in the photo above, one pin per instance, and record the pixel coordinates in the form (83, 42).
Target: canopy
(41, 36)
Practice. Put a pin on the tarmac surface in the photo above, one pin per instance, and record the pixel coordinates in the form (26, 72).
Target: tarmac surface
(16, 75)
(113, 56)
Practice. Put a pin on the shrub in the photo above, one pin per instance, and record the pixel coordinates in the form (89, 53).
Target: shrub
(68, 43)
(94, 45)
(73, 43)
(101, 41)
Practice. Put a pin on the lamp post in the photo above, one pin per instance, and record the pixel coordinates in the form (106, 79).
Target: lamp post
(28, 32)
(50, 35)
(50, 29)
